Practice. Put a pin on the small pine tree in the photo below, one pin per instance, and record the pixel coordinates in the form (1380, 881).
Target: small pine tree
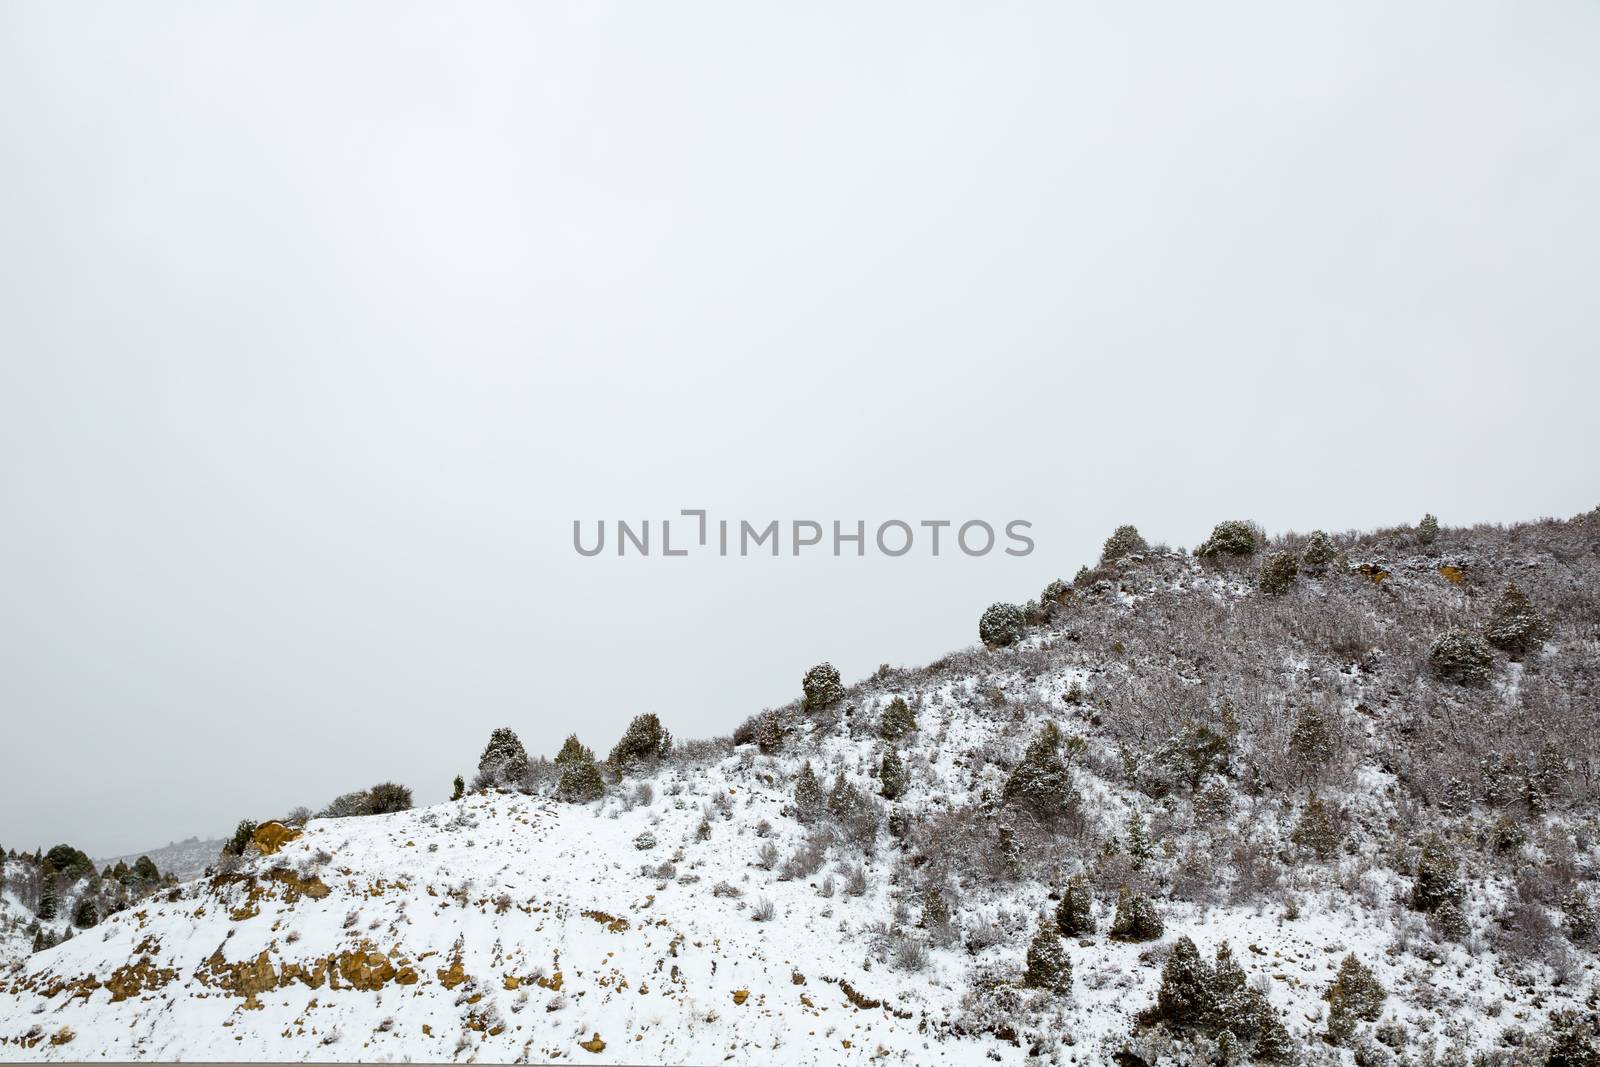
(1184, 1000)
(504, 761)
(1230, 995)
(458, 788)
(1318, 554)
(1123, 542)
(1514, 626)
(1041, 783)
(1278, 573)
(1139, 845)
(769, 732)
(242, 836)
(1438, 879)
(573, 751)
(1355, 995)
(1312, 741)
(822, 687)
(1075, 913)
(1001, 624)
(935, 909)
(893, 777)
(842, 798)
(1136, 918)
(49, 903)
(1461, 656)
(1582, 918)
(580, 780)
(1048, 966)
(1317, 829)
(808, 800)
(644, 741)
(1428, 529)
(898, 720)
(85, 914)
(1273, 1043)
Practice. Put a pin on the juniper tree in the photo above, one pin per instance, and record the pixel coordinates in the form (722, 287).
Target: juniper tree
(769, 732)
(1319, 552)
(1461, 656)
(1184, 1000)
(1312, 741)
(822, 687)
(242, 835)
(1234, 537)
(1438, 878)
(1355, 995)
(1136, 918)
(1428, 529)
(1201, 748)
(1514, 625)
(1278, 573)
(1075, 912)
(1582, 918)
(1231, 1006)
(892, 775)
(843, 796)
(1048, 966)
(1317, 830)
(808, 800)
(1001, 624)
(1123, 542)
(1139, 845)
(573, 751)
(1041, 784)
(897, 720)
(504, 761)
(580, 780)
(643, 741)
(458, 788)
(85, 914)
(49, 903)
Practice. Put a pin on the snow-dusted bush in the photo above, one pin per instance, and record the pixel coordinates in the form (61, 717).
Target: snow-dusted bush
(1123, 542)
(1048, 967)
(1461, 656)
(504, 761)
(1041, 784)
(1428, 529)
(1318, 553)
(1136, 918)
(897, 721)
(1278, 573)
(1001, 624)
(892, 775)
(580, 780)
(822, 687)
(1514, 625)
(644, 741)
(1075, 912)
(1235, 537)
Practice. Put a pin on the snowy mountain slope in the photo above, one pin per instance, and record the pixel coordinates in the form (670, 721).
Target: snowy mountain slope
(185, 859)
(691, 916)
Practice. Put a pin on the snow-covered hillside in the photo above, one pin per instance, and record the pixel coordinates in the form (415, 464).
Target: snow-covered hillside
(1274, 772)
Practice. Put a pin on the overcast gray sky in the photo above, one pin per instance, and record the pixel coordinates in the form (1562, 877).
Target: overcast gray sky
(319, 324)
